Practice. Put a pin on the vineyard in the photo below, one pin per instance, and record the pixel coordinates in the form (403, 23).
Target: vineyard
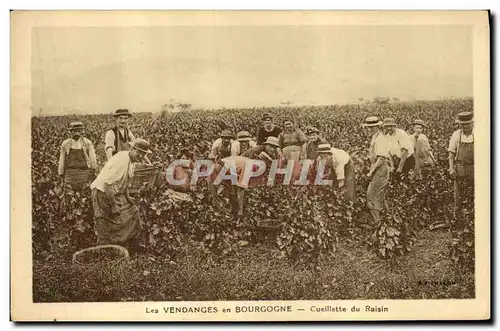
(322, 249)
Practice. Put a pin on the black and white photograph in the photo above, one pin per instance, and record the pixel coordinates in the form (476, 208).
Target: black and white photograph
(197, 163)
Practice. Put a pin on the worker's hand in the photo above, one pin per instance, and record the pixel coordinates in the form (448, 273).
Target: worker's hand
(451, 172)
(341, 183)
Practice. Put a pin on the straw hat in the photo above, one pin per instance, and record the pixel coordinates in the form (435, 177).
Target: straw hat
(273, 141)
(226, 134)
(120, 112)
(389, 121)
(243, 136)
(464, 118)
(372, 121)
(324, 149)
(75, 125)
(419, 122)
(141, 145)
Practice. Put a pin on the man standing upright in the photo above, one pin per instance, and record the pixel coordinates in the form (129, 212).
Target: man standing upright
(77, 159)
(118, 138)
(116, 215)
(461, 158)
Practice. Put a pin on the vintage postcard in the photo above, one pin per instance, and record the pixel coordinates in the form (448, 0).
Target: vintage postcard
(250, 165)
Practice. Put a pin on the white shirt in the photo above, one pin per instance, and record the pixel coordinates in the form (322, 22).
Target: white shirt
(397, 141)
(235, 148)
(116, 173)
(340, 159)
(109, 139)
(251, 143)
(458, 134)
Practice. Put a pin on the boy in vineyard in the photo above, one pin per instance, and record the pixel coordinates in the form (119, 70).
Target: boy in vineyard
(267, 130)
(423, 153)
(117, 218)
(77, 159)
(461, 159)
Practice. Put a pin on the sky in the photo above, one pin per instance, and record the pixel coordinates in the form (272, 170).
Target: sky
(96, 70)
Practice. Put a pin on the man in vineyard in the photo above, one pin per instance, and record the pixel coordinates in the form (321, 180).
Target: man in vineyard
(77, 159)
(400, 147)
(268, 150)
(245, 142)
(424, 159)
(314, 139)
(119, 137)
(379, 173)
(461, 159)
(343, 174)
(374, 126)
(116, 216)
(224, 146)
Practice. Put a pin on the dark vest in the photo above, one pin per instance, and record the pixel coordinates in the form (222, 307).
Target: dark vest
(121, 141)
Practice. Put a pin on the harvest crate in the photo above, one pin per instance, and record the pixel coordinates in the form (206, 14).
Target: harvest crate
(145, 176)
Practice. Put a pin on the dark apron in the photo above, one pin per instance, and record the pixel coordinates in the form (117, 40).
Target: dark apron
(77, 173)
(464, 170)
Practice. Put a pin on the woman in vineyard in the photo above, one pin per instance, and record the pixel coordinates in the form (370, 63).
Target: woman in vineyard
(117, 218)
(292, 141)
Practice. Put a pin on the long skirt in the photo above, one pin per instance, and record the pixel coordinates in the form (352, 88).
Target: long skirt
(375, 195)
(115, 229)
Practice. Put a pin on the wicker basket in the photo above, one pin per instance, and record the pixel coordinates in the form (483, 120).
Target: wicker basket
(100, 254)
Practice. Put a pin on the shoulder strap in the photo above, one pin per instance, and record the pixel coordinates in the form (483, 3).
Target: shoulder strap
(458, 144)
